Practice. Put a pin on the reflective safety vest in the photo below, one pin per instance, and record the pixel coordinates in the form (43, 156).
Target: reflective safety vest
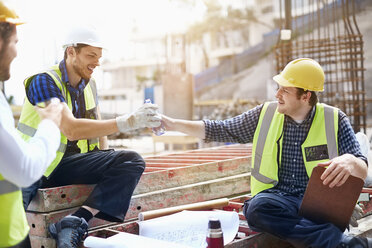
(13, 223)
(320, 144)
(30, 119)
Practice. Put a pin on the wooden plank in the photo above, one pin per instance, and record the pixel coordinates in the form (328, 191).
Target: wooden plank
(52, 199)
(211, 153)
(155, 169)
(39, 222)
(170, 165)
(42, 242)
(191, 193)
(57, 198)
(195, 156)
(176, 196)
(178, 160)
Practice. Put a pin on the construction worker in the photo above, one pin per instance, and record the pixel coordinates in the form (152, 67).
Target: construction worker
(83, 157)
(281, 133)
(21, 163)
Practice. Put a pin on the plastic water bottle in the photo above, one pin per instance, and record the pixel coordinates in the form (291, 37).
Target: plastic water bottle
(160, 130)
(214, 236)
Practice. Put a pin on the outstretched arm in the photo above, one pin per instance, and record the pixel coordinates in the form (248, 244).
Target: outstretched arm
(81, 128)
(192, 128)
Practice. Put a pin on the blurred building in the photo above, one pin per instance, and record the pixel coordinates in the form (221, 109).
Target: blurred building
(128, 82)
(137, 76)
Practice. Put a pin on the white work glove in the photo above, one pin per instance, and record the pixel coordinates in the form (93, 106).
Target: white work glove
(145, 116)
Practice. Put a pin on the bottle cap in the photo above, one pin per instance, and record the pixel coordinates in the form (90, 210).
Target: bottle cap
(214, 223)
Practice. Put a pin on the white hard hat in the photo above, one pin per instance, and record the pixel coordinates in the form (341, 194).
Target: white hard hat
(83, 35)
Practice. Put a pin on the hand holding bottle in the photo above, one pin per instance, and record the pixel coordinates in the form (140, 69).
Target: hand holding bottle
(160, 130)
(145, 116)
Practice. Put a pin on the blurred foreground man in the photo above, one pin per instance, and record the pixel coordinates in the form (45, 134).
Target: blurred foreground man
(281, 132)
(21, 163)
(82, 157)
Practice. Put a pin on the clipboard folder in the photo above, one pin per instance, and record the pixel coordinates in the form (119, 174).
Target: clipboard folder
(323, 204)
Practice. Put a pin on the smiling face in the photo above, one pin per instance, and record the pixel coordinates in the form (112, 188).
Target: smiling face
(84, 60)
(291, 104)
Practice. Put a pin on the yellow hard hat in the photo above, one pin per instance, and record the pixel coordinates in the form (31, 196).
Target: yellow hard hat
(303, 73)
(8, 15)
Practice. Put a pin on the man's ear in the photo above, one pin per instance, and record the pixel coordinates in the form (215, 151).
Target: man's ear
(307, 95)
(70, 51)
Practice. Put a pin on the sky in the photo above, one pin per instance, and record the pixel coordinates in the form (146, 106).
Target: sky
(47, 21)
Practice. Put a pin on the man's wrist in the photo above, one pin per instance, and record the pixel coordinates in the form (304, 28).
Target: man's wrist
(122, 123)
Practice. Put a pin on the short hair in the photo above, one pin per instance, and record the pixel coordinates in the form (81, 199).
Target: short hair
(77, 48)
(313, 98)
(6, 30)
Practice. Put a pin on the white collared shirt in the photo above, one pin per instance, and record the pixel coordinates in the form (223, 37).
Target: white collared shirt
(23, 163)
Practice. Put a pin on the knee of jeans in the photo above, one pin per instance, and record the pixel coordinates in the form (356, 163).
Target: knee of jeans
(134, 158)
(253, 211)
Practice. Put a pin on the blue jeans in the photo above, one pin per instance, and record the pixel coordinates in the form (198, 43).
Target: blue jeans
(277, 214)
(115, 173)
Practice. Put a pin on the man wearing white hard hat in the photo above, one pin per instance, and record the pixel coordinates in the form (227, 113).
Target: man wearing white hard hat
(81, 157)
(21, 163)
(290, 137)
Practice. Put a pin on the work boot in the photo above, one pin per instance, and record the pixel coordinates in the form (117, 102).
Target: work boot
(69, 231)
(355, 242)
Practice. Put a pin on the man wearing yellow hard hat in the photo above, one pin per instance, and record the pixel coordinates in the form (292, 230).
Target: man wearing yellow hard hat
(290, 137)
(21, 163)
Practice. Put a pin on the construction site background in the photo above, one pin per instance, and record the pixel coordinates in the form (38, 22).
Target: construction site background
(231, 95)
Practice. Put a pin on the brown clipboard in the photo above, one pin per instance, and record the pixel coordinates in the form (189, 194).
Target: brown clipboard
(323, 204)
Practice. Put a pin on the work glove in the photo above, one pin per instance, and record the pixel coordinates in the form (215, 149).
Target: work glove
(357, 214)
(145, 116)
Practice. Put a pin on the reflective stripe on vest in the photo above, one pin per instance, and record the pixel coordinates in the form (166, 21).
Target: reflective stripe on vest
(327, 122)
(7, 187)
(261, 143)
(30, 131)
(330, 131)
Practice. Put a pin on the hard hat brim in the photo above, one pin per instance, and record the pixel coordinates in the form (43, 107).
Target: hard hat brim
(14, 21)
(98, 45)
(282, 81)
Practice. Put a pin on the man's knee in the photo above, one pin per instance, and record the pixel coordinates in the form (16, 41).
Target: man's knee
(270, 214)
(133, 158)
(252, 211)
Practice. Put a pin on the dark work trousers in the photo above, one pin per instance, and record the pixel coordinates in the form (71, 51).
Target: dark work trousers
(277, 214)
(116, 174)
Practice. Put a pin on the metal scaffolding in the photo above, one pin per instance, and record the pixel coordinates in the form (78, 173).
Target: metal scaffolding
(327, 31)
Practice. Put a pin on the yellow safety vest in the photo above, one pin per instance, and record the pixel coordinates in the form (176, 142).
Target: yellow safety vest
(30, 119)
(13, 223)
(320, 144)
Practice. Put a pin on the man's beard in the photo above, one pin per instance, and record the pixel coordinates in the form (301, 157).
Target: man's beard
(80, 72)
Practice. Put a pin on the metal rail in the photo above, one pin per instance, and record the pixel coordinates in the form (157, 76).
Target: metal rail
(327, 31)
